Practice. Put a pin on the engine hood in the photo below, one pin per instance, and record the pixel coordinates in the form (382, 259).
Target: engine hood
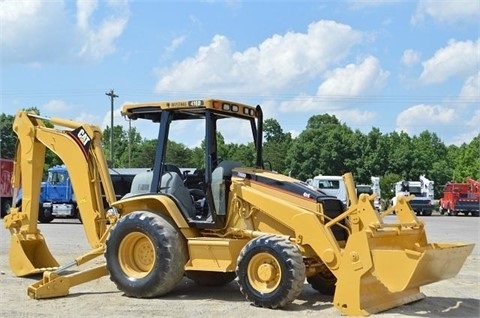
(282, 183)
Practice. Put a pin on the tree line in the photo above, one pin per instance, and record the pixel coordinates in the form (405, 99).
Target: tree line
(326, 146)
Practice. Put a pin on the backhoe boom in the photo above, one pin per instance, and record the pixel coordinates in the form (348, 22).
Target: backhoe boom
(79, 147)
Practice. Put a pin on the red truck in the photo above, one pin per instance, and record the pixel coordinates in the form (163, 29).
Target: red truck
(6, 191)
(461, 198)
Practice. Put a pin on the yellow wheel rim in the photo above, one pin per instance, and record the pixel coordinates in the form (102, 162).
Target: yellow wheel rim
(136, 255)
(264, 273)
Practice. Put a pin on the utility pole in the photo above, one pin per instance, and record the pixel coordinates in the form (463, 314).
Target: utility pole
(112, 95)
(129, 142)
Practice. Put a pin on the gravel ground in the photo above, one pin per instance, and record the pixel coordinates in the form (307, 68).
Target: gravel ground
(457, 297)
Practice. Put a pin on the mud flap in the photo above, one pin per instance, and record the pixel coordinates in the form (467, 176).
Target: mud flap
(30, 255)
(375, 277)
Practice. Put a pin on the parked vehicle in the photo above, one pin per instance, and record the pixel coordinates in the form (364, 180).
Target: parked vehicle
(461, 198)
(371, 189)
(331, 185)
(335, 186)
(423, 191)
(57, 198)
(6, 190)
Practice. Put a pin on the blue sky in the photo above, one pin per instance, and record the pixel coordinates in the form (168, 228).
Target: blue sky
(395, 65)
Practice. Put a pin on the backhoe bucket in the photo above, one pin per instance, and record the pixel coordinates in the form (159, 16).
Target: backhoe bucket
(30, 255)
(384, 272)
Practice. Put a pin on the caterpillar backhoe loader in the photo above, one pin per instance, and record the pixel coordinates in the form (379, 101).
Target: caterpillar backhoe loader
(221, 222)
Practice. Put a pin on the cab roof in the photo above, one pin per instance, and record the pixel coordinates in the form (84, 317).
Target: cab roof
(188, 109)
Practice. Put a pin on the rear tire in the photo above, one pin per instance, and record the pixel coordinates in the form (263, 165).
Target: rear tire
(45, 215)
(427, 213)
(207, 278)
(146, 255)
(323, 282)
(5, 206)
(270, 271)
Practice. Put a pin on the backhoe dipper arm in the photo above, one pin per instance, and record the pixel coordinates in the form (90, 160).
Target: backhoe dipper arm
(79, 148)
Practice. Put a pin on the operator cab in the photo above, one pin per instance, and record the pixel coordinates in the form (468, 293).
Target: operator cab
(201, 193)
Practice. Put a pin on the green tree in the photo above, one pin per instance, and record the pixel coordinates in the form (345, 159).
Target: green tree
(387, 187)
(400, 155)
(143, 155)
(275, 146)
(324, 147)
(8, 139)
(467, 161)
(373, 149)
(125, 143)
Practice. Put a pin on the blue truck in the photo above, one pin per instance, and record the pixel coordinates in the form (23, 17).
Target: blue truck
(57, 199)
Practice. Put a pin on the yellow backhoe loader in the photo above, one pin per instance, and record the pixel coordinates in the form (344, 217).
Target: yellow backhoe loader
(221, 222)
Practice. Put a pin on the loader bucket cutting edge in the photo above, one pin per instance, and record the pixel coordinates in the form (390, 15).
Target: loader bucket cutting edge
(30, 256)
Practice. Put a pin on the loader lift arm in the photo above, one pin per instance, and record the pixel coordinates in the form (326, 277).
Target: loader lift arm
(79, 147)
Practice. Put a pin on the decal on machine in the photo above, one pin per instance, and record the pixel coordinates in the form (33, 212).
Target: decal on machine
(82, 139)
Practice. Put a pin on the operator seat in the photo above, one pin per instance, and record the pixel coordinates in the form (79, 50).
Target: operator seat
(168, 167)
(221, 180)
(171, 183)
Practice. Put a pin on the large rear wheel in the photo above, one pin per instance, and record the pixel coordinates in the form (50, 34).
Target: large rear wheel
(145, 255)
(324, 281)
(270, 271)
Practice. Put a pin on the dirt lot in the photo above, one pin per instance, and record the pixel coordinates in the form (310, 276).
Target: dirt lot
(457, 297)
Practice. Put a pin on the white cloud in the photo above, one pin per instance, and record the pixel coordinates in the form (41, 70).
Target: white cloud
(354, 80)
(30, 29)
(470, 92)
(85, 9)
(56, 105)
(175, 44)
(424, 117)
(453, 11)
(341, 86)
(99, 41)
(475, 121)
(458, 58)
(474, 130)
(410, 57)
(88, 118)
(278, 62)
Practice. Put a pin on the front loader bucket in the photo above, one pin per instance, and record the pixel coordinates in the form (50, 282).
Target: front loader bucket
(378, 274)
(30, 255)
(432, 263)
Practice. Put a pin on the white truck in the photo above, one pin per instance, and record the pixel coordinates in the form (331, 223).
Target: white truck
(335, 186)
(374, 187)
(422, 203)
(331, 185)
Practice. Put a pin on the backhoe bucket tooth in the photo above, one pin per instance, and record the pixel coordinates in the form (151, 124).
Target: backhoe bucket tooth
(30, 255)
(377, 277)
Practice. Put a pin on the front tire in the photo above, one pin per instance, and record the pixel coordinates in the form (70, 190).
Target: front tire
(270, 271)
(145, 255)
